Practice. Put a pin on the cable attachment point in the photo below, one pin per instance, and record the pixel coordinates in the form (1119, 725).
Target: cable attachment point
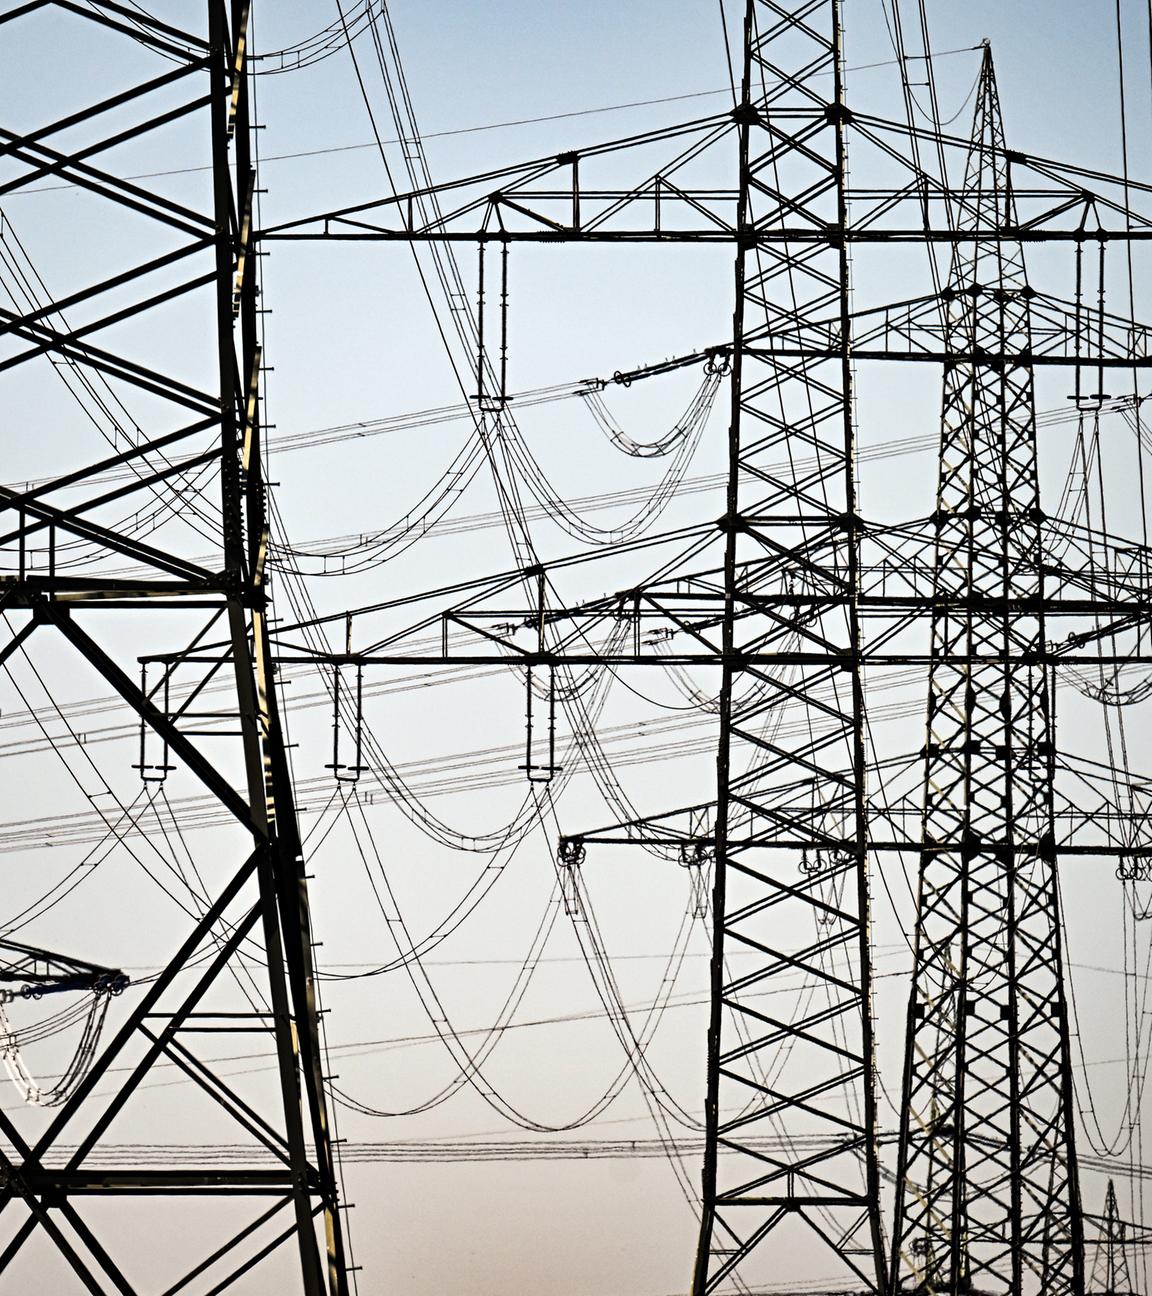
(718, 364)
(1133, 869)
(492, 376)
(698, 857)
(347, 717)
(570, 856)
(540, 731)
(154, 764)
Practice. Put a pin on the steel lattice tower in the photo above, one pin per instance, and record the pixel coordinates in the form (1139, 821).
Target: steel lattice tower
(791, 582)
(790, 601)
(777, 613)
(988, 1195)
(1111, 1274)
(194, 380)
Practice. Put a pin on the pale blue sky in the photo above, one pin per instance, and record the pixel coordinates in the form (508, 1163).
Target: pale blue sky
(351, 337)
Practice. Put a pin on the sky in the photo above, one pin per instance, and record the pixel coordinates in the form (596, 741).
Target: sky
(351, 338)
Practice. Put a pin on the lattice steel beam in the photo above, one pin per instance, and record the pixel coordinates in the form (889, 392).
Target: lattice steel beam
(988, 1195)
(161, 352)
(802, 875)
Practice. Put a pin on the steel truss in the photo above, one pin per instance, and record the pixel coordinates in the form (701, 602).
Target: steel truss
(810, 1070)
(62, 540)
(787, 542)
(1111, 1274)
(792, 599)
(988, 1196)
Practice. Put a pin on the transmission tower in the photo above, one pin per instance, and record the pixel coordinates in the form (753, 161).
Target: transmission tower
(988, 1193)
(1110, 1274)
(790, 621)
(155, 338)
(793, 598)
(777, 614)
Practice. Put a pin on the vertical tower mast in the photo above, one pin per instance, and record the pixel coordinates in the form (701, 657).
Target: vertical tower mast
(285, 916)
(987, 1193)
(791, 886)
(1110, 1271)
(181, 392)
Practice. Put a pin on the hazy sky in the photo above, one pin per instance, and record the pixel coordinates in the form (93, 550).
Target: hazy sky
(352, 338)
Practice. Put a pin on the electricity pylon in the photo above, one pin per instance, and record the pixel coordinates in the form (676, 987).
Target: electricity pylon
(1111, 1275)
(791, 599)
(988, 1196)
(777, 614)
(790, 826)
(156, 341)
